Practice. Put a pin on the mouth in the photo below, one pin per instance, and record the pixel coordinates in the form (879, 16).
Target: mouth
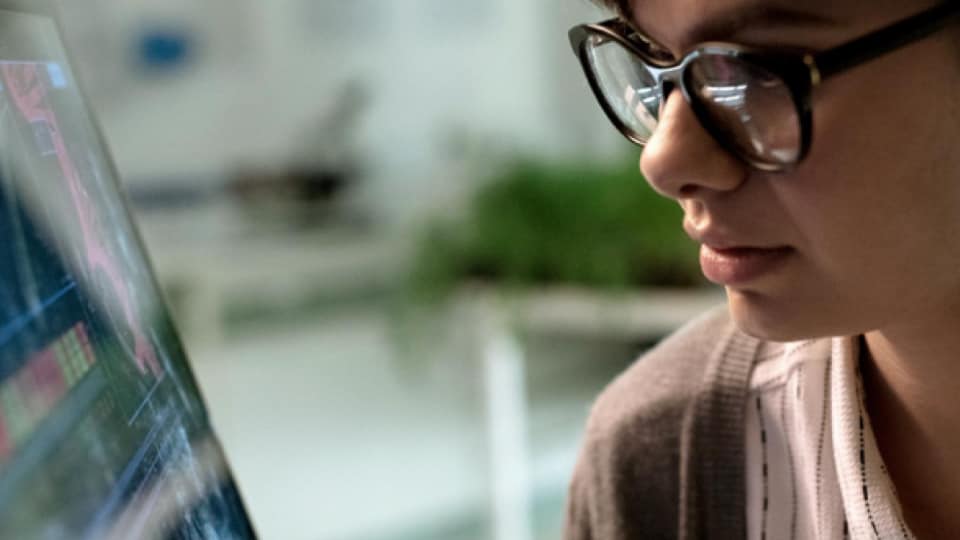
(733, 266)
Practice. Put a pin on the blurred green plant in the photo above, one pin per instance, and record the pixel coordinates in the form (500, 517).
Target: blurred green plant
(543, 224)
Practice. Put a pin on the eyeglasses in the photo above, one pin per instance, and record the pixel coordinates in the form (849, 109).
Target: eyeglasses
(756, 103)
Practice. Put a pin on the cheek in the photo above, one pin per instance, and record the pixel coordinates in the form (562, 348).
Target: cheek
(881, 172)
(874, 210)
(877, 204)
(861, 220)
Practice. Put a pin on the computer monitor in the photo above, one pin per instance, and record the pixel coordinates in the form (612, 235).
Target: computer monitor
(103, 433)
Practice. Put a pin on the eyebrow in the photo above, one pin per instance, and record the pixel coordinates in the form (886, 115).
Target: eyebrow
(756, 15)
(620, 7)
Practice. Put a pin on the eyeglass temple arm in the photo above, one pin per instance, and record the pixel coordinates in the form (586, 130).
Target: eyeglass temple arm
(875, 44)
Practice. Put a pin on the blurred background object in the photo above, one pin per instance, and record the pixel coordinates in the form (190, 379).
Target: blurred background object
(415, 214)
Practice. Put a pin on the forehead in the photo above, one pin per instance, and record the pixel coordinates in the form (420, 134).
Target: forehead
(677, 23)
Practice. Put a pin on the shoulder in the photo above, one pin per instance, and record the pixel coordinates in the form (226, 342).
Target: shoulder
(632, 447)
(663, 380)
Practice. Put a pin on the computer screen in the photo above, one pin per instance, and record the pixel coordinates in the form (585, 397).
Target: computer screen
(103, 433)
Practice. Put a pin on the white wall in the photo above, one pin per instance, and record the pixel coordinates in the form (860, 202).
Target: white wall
(438, 71)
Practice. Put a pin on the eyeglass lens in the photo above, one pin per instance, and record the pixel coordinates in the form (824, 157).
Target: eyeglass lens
(752, 109)
(629, 89)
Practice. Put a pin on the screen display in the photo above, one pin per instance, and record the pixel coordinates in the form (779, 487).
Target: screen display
(102, 430)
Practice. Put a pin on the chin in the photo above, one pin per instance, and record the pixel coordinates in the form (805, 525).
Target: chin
(764, 318)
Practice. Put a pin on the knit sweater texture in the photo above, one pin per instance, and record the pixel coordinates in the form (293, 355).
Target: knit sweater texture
(663, 455)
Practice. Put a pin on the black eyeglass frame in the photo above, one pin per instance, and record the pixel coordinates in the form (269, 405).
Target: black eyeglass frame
(801, 72)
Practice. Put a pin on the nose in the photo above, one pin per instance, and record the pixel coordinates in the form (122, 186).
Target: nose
(682, 160)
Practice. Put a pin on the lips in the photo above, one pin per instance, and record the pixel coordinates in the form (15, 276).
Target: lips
(729, 256)
(733, 266)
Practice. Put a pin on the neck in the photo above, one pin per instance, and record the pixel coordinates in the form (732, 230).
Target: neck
(912, 386)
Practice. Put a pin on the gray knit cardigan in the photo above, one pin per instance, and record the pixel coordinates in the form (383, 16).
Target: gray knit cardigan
(663, 455)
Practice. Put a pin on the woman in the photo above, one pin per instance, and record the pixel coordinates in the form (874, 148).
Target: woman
(816, 163)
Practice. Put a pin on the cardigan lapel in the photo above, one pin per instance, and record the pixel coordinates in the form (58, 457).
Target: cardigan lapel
(712, 454)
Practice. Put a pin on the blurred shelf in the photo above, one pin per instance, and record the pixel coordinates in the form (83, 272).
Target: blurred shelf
(208, 262)
(629, 315)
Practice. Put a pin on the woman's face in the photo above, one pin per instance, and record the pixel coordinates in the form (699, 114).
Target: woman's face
(870, 220)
